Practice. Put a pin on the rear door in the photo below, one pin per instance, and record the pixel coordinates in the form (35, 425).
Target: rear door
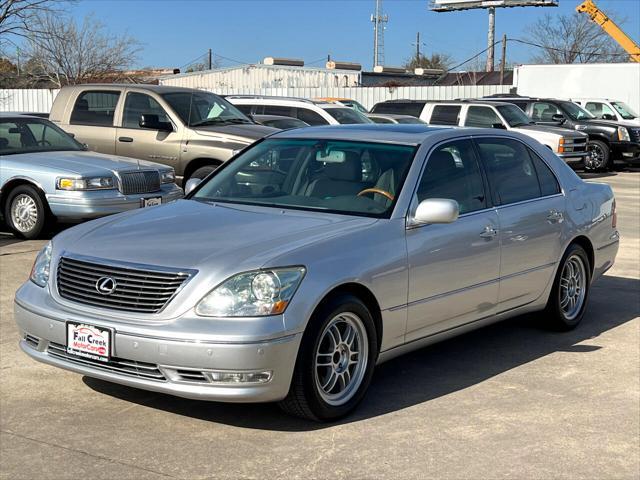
(445, 115)
(454, 268)
(92, 119)
(530, 207)
(146, 144)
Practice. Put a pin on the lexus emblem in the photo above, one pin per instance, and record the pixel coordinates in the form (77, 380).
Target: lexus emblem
(106, 285)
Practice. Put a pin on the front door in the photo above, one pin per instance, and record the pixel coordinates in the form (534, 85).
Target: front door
(530, 209)
(146, 144)
(453, 268)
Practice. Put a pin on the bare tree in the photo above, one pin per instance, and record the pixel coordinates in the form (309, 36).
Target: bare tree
(71, 53)
(440, 61)
(572, 38)
(18, 17)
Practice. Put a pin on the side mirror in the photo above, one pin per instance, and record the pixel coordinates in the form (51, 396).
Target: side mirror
(608, 116)
(191, 184)
(436, 210)
(152, 122)
(498, 126)
(558, 117)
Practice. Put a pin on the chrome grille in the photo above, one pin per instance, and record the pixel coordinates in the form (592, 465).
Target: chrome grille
(192, 376)
(136, 290)
(116, 365)
(576, 145)
(31, 340)
(139, 182)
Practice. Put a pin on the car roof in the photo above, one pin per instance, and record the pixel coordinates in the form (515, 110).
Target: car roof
(6, 115)
(407, 134)
(160, 89)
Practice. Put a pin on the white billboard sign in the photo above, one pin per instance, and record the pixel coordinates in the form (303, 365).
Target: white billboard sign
(449, 5)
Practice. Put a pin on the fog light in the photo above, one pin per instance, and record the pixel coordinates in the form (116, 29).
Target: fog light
(239, 377)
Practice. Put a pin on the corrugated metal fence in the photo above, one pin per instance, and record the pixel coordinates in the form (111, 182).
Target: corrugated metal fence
(40, 100)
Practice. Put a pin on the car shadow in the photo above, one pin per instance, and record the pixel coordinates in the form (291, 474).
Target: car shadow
(429, 373)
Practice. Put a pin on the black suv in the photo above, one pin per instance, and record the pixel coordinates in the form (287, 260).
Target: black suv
(609, 140)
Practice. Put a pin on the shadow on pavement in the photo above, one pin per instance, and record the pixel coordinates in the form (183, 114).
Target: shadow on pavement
(428, 373)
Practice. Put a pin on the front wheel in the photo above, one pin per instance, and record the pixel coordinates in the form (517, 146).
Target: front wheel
(599, 156)
(335, 363)
(26, 212)
(568, 299)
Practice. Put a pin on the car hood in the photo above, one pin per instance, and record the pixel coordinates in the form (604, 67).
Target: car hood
(602, 123)
(81, 162)
(248, 133)
(216, 238)
(565, 132)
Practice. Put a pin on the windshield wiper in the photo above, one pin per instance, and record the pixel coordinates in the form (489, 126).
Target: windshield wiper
(219, 121)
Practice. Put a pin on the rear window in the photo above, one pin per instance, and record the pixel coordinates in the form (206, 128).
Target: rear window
(346, 115)
(399, 108)
(445, 115)
(95, 108)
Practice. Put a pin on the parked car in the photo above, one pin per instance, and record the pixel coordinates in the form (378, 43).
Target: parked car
(46, 176)
(569, 145)
(192, 131)
(279, 122)
(605, 109)
(305, 269)
(610, 141)
(348, 102)
(312, 112)
(391, 118)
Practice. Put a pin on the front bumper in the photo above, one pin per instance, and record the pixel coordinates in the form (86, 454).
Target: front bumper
(626, 151)
(574, 157)
(99, 203)
(154, 362)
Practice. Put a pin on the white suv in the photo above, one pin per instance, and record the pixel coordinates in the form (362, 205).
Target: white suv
(605, 109)
(569, 145)
(313, 112)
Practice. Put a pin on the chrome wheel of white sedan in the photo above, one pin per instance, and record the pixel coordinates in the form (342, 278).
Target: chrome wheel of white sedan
(24, 213)
(341, 358)
(572, 287)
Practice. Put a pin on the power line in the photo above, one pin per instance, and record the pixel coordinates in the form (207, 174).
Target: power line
(532, 44)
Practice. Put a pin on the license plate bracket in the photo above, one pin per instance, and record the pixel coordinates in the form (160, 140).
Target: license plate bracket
(88, 341)
(150, 202)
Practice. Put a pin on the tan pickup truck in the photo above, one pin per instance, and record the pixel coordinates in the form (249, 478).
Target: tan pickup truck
(193, 131)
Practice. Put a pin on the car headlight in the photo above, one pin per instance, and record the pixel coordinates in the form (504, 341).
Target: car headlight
(252, 294)
(623, 134)
(168, 176)
(92, 183)
(41, 266)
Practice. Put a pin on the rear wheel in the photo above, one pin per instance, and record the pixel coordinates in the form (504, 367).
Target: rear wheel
(568, 299)
(335, 363)
(600, 155)
(26, 212)
(202, 172)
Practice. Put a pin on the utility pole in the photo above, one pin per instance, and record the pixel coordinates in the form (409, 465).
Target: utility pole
(503, 62)
(378, 20)
(417, 49)
(209, 60)
(491, 39)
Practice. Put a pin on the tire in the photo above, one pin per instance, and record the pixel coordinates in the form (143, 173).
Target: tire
(26, 212)
(203, 172)
(600, 156)
(560, 314)
(345, 383)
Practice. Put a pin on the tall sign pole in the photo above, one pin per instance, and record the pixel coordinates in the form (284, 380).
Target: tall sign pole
(491, 39)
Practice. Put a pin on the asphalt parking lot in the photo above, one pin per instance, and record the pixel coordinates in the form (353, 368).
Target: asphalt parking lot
(508, 401)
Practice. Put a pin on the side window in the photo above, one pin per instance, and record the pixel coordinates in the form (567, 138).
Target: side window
(279, 110)
(95, 108)
(310, 117)
(483, 117)
(137, 104)
(246, 109)
(445, 115)
(544, 112)
(46, 136)
(452, 172)
(511, 172)
(548, 182)
(598, 109)
(10, 136)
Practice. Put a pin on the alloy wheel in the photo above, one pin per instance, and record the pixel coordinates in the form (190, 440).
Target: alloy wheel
(573, 287)
(24, 213)
(341, 358)
(595, 161)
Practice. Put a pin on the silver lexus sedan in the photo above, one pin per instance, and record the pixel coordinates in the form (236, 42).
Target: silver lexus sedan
(314, 255)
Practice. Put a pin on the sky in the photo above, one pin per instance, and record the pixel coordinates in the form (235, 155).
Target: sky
(174, 33)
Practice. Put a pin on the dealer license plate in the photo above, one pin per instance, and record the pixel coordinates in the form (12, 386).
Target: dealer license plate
(150, 202)
(88, 341)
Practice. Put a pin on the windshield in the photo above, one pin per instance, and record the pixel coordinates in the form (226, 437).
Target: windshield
(513, 115)
(624, 110)
(346, 115)
(204, 108)
(22, 135)
(356, 105)
(409, 120)
(310, 174)
(576, 112)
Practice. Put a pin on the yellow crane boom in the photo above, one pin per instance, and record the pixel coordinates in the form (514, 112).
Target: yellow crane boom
(609, 26)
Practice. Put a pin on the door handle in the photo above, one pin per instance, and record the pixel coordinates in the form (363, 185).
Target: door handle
(555, 216)
(125, 139)
(489, 232)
